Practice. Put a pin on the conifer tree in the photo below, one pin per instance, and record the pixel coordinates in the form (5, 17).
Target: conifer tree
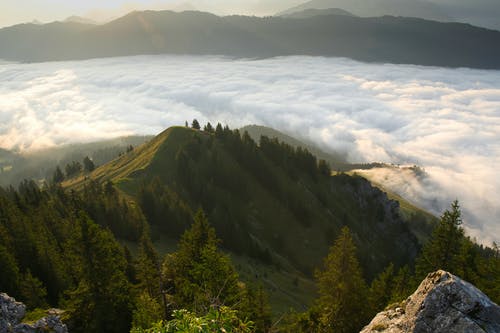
(381, 289)
(101, 300)
(148, 267)
(343, 292)
(201, 276)
(403, 284)
(33, 293)
(443, 248)
(208, 128)
(88, 165)
(195, 124)
(58, 176)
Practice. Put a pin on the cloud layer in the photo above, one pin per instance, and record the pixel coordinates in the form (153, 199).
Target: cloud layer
(445, 120)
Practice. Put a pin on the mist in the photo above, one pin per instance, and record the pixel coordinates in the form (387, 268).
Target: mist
(445, 120)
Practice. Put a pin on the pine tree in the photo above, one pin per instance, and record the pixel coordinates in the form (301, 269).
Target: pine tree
(403, 285)
(101, 301)
(88, 165)
(208, 128)
(33, 293)
(443, 248)
(201, 276)
(58, 176)
(343, 291)
(148, 268)
(381, 289)
(324, 168)
(147, 311)
(195, 124)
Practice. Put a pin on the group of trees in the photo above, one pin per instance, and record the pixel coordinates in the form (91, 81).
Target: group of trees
(52, 253)
(197, 280)
(347, 302)
(72, 169)
(61, 248)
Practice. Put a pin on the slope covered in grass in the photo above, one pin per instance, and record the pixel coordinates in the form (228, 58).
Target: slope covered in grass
(269, 202)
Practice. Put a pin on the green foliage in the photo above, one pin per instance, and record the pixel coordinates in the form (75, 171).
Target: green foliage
(195, 124)
(108, 209)
(403, 284)
(58, 176)
(10, 272)
(72, 169)
(443, 249)
(33, 293)
(242, 185)
(381, 289)
(200, 275)
(88, 164)
(147, 312)
(148, 268)
(220, 320)
(101, 299)
(343, 292)
(34, 315)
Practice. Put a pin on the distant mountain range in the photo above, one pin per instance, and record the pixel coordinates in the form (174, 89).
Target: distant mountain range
(483, 13)
(311, 12)
(381, 39)
(373, 8)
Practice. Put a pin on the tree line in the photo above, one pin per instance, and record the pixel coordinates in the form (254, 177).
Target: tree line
(63, 248)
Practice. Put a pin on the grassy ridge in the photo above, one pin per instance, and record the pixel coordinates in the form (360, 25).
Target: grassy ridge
(276, 216)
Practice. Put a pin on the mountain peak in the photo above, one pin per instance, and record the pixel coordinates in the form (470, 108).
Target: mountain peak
(442, 303)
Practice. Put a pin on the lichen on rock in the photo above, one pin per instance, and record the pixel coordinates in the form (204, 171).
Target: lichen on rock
(13, 312)
(442, 303)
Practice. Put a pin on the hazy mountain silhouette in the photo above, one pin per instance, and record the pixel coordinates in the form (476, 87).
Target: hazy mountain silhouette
(381, 39)
(408, 8)
(311, 12)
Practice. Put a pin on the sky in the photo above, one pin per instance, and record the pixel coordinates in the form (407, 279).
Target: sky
(445, 120)
(17, 11)
(478, 12)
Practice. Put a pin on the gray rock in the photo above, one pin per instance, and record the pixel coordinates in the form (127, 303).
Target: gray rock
(12, 313)
(442, 303)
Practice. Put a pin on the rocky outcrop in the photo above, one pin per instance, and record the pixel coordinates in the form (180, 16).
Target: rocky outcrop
(12, 313)
(442, 303)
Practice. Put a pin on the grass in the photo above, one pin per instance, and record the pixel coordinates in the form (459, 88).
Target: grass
(293, 245)
(34, 315)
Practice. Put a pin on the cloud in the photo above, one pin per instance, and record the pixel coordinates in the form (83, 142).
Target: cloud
(445, 120)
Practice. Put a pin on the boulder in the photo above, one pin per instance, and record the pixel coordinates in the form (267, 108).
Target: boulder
(12, 313)
(442, 303)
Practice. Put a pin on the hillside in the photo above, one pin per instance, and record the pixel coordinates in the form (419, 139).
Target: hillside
(261, 205)
(376, 39)
(407, 8)
(40, 164)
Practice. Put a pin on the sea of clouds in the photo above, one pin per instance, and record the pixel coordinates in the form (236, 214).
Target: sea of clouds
(445, 120)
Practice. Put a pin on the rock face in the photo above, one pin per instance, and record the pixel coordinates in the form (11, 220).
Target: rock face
(12, 312)
(442, 303)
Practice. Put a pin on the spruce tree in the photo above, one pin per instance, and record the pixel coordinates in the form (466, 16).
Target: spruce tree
(58, 176)
(101, 300)
(195, 124)
(198, 273)
(88, 165)
(343, 292)
(381, 289)
(443, 248)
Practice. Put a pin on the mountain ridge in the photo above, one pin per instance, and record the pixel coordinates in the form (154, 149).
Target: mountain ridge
(374, 8)
(381, 39)
(248, 186)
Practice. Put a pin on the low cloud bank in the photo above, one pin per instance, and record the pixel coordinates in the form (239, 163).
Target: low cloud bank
(445, 120)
